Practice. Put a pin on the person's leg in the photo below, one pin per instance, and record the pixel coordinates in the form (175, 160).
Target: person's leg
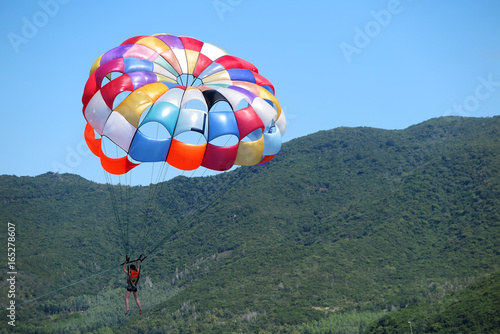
(136, 296)
(127, 294)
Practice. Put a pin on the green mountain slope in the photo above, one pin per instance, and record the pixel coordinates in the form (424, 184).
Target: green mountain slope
(346, 220)
(475, 309)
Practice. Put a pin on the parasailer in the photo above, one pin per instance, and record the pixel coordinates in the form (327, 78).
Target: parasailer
(133, 272)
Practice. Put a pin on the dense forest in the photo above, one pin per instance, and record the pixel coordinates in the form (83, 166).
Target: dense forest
(475, 309)
(349, 230)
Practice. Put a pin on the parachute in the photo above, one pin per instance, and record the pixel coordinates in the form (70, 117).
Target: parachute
(176, 83)
(179, 102)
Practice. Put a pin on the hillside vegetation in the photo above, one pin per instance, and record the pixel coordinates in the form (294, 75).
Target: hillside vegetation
(475, 309)
(340, 230)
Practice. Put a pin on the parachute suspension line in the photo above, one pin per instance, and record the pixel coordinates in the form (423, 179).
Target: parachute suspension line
(120, 195)
(124, 196)
(150, 208)
(159, 219)
(116, 213)
(188, 217)
(155, 194)
(127, 209)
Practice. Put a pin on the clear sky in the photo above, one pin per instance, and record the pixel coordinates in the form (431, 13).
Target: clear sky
(381, 63)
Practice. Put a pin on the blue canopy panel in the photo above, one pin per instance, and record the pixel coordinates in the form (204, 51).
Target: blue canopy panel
(222, 123)
(136, 65)
(145, 149)
(240, 74)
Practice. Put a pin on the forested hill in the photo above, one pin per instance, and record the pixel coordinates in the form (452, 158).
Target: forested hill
(350, 221)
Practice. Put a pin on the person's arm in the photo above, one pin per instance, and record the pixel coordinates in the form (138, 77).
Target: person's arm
(125, 270)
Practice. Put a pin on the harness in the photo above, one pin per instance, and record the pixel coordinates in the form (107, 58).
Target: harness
(133, 277)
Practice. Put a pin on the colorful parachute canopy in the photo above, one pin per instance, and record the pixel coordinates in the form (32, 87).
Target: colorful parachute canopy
(181, 85)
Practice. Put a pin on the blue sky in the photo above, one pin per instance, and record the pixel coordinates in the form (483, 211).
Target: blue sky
(383, 64)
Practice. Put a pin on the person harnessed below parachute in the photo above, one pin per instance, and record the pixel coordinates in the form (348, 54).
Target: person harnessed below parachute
(133, 275)
(180, 102)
